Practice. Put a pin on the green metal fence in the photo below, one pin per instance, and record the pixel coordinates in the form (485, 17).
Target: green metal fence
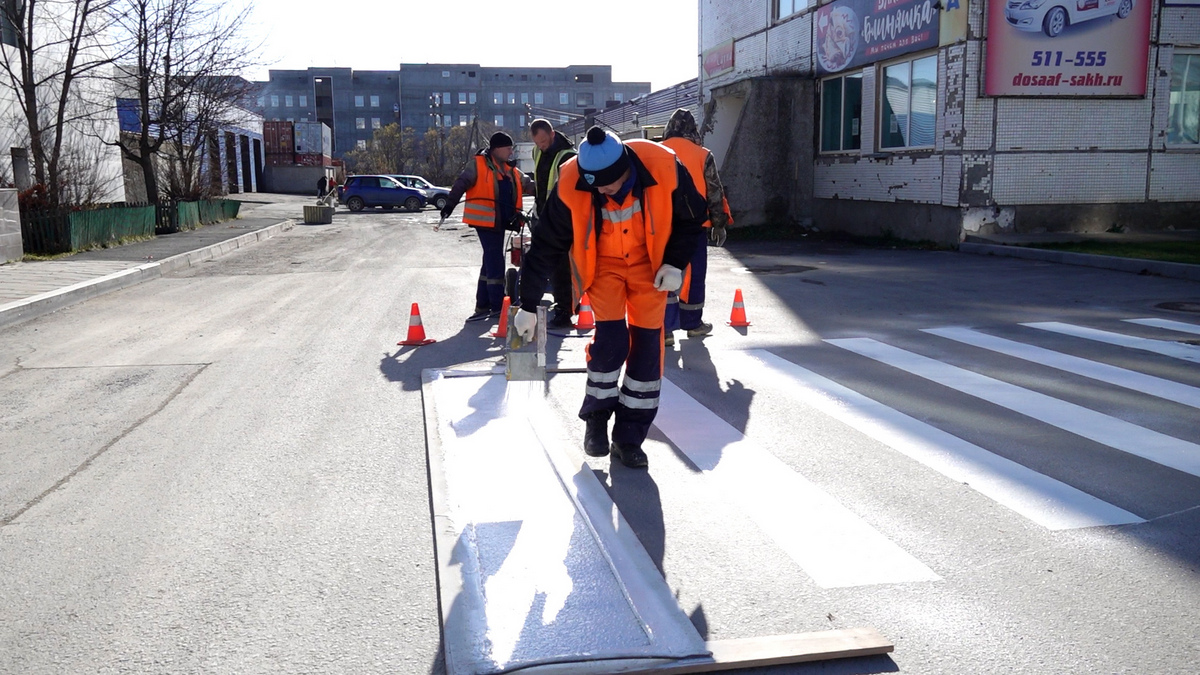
(62, 231)
(178, 216)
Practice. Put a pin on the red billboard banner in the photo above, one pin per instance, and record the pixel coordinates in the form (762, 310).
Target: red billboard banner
(1067, 47)
(719, 59)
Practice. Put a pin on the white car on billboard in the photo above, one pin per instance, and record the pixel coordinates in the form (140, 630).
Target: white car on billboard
(1053, 16)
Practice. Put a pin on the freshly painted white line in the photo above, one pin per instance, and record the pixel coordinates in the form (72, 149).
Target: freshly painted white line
(1110, 431)
(1173, 349)
(1129, 379)
(1168, 325)
(1040, 498)
(835, 547)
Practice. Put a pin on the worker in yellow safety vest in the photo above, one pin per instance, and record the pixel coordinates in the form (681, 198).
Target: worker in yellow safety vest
(550, 151)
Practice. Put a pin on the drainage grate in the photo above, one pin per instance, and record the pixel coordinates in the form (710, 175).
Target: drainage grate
(1180, 306)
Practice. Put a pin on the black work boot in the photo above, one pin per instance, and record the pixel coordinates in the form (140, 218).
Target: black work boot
(595, 439)
(631, 456)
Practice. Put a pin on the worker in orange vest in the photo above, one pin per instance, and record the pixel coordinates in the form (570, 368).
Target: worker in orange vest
(492, 185)
(685, 310)
(630, 217)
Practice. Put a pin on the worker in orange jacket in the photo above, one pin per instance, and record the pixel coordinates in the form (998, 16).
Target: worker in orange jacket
(630, 217)
(492, 185)
(685, 310)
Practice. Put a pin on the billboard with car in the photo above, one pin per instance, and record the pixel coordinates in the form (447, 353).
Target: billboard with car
(1067, 47)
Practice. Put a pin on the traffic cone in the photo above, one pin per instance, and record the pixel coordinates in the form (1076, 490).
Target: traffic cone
(587, 320)
(502, 330)
(416, 331)
(737, 318)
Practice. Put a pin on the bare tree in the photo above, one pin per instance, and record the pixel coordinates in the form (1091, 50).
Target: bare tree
(56, 46)
(180, 65)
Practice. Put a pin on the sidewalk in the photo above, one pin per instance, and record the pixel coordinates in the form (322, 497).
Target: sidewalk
(1020, 246)
(31, 289)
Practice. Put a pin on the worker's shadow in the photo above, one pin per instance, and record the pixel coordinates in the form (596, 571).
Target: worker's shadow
(693, 371)
(405, 365)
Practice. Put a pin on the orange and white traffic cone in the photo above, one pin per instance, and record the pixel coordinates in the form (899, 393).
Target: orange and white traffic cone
(416, 331)
(502, 330)
(587, 320)
(737, 318)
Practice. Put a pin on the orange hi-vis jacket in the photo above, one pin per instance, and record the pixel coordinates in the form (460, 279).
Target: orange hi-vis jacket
(656, 206)
(480, 209)
(693, 158)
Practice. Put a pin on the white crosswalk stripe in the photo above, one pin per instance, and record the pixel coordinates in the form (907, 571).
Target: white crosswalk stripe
(835, 547)
(1043, 500)
(1168, 325)
(1113, 432)
(1121, 377)
(1172, 349)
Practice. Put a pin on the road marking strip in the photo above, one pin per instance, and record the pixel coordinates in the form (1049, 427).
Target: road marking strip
(834, 546)
(1128, 379)
(1174, 350)
(1115, 433)
(1167, 324)
(1040, 498)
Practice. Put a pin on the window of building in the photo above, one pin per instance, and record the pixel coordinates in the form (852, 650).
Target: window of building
(274, 101)
(619, 97)
(262, 101)
(446, 98)
(539, 98)
(374, 101)
(287, 101)
(1183, 125)
(358, 101)
(585, 99)
(841, 113)
(786, 8)
(497, 98)
(462, 98)
(360, 123)
(564, 98)
(499, 120)
(374, 122)
(291, 119)
(583, 77)
(445, 73)
(525, 98)
(471, 98)
(360, 144)
(512, 98)
(462, 120)
(8, 30)
(303, 101)
(908, 103)
(520, 120)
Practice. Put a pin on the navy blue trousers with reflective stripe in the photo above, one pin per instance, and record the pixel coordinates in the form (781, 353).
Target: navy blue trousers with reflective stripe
(490, 293)
(635, 399)
(678, 317)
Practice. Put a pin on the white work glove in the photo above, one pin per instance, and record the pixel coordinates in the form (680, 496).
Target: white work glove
(668, 278)
(716, 234)
(525, 323)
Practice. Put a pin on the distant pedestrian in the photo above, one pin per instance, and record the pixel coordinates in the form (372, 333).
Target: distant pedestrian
(550, 151)
(492, 186)
(685, 311)
(322, 186)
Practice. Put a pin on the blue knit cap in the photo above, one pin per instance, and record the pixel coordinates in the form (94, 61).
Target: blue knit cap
(602, 159)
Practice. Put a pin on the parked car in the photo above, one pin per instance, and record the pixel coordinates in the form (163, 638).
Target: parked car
(1053, 16)
(437, 196)
(360, 192)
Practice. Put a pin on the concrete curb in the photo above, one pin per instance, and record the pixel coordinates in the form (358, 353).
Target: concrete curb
(45, 303)
(1133, 265)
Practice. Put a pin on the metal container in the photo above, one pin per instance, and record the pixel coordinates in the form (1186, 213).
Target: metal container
(313, 138)
(278, 138)
(313, 159)
(280, 159)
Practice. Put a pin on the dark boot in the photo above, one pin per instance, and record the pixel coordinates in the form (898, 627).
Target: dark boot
(595, 439)
(631, 456)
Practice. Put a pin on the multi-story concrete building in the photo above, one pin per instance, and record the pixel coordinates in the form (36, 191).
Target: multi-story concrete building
(933, 119)
(353, 103)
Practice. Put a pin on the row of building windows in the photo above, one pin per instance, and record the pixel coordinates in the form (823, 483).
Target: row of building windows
(582, 99)
(359, 101)
(907, 105)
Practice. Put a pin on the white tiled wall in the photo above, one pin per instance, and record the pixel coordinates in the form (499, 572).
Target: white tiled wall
(1072, 124)
(789, 45)
(1180, 26)
(911, 179)
(1174, 176)
(1069, 178)
(721, 20)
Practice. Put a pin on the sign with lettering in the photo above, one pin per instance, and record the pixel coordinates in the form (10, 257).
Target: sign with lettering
(1067, 48)
(849, 33)
(718, 60)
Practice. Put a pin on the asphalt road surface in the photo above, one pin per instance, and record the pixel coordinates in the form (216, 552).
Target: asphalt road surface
(224, 471)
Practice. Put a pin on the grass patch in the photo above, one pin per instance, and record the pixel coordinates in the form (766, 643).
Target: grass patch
(34, 257)
(1165, 251)
(797, 233)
